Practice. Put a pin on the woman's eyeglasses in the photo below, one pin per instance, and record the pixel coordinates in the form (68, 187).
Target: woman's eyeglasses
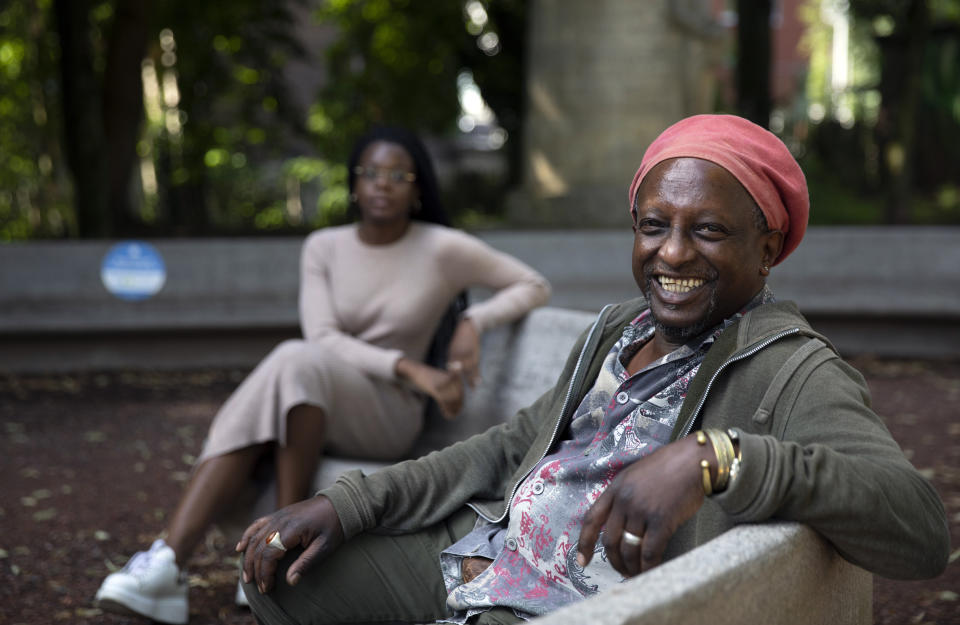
(395, 176)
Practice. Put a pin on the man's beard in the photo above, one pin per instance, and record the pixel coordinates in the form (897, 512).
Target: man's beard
(677, 334)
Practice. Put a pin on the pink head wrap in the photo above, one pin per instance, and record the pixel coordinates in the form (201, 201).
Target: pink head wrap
(755, 157)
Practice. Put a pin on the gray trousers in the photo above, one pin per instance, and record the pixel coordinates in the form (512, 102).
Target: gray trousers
(372, 579)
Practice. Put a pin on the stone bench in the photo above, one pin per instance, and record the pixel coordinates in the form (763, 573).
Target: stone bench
(770, 573)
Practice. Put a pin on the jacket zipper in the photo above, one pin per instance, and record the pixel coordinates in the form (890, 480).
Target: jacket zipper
(750, 352)
(563, 410)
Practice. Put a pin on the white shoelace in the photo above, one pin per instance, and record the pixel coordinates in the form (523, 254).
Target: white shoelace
(141, 560)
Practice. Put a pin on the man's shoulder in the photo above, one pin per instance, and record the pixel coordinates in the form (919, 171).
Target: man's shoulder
(772, 321)
(772, 318)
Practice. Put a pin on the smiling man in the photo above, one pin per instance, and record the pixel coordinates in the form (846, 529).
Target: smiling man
(703, 404)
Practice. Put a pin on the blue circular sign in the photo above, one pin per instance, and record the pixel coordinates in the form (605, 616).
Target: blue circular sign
(133, 270)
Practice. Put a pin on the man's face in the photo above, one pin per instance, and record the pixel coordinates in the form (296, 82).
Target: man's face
(698, 253)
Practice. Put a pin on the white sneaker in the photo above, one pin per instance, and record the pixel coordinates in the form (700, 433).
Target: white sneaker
(150, 584)
(241, 597)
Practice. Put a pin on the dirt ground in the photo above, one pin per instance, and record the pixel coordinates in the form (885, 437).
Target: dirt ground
(90, 466)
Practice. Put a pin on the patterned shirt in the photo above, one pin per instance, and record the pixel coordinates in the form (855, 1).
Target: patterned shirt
(621, 419)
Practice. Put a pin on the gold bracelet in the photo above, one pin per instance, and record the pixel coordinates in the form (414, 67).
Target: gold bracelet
(705, 471)
(704, 466)
(730, 455)
(717, 451)
(723, 448)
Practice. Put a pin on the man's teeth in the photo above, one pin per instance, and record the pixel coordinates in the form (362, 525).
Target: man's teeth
(674, 285)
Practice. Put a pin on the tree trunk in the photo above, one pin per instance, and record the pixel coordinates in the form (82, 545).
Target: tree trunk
(82, 119)
(123, 104)
(753, 60)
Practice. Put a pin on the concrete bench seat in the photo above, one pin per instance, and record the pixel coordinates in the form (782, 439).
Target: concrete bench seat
(771, 573)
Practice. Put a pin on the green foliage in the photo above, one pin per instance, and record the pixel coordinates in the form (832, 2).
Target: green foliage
(230, 120)
(222, 147)
(833, 199)
(34, 201)
(855, 155)
(239, 121)
(332, 201)
(395, 62)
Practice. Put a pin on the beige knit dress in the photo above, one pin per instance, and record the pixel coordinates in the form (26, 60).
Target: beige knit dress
(362, 307)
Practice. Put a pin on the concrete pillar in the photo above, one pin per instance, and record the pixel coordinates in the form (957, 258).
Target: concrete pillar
(604, 78)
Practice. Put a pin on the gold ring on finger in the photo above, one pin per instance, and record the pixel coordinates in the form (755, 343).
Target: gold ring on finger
(273, 540)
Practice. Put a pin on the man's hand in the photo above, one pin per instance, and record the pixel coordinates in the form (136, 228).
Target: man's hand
(650, 499)
(464, 352)
(312, 524)
(445, 387)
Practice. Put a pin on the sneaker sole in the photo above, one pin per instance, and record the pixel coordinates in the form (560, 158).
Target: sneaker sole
(240, 597)
(171, 610)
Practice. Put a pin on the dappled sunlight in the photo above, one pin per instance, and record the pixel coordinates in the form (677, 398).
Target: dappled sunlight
(545, 104)
(548, 181)
(476, 115)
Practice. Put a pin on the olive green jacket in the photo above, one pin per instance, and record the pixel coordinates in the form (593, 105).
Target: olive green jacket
(812, 450)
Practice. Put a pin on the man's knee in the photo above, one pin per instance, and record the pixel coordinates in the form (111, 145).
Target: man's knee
(496, 616)
(264, 608)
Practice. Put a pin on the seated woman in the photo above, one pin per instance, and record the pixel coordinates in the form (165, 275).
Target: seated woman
(372, 295)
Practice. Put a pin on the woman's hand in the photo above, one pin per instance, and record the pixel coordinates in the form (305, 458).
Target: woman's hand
(649, 499)
(312, 524)
(445, 387)
(465, 350)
